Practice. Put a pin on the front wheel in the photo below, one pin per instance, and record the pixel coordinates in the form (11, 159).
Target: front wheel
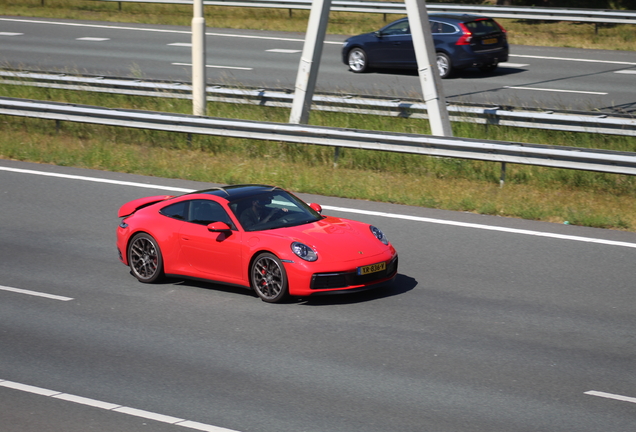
(144, 258)
(444, 65)
(268, 278)
(358, 60)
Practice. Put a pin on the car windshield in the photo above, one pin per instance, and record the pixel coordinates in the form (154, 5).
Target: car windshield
(271, 210)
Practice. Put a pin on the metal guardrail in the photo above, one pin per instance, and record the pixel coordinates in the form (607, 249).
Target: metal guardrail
(532, 13)
(493, 151)
(505, 116)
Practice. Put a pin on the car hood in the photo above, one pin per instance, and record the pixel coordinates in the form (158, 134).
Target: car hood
(336, 239)
(361, 37)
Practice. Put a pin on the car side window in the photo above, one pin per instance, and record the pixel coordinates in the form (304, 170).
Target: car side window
(204, 212)
(448, 29)
(442, 28)
(400, 28)
(176, 211)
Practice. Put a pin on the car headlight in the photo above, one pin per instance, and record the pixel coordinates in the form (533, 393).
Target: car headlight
(303, 251)
(379, 234)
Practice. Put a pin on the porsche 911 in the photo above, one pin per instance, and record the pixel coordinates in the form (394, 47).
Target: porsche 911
(259, 237)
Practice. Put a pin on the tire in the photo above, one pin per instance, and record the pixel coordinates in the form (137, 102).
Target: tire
(268, 278)
(444, 65)
(358, 61)
(144, 258)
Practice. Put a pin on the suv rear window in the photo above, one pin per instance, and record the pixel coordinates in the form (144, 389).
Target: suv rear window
(482, 27)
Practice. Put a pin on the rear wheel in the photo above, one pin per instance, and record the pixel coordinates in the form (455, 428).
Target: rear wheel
(268, 278)
(358, 62)
(444, 65)
(144, 258)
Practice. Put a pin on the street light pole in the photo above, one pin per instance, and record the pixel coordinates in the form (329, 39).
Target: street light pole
(198, 59)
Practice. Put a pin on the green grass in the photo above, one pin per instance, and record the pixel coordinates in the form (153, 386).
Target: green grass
(555, 195)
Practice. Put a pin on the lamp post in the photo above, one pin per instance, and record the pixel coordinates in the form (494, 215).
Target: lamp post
(198, 59)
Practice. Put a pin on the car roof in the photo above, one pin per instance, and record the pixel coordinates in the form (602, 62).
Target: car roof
(238, 192)
(451, 16)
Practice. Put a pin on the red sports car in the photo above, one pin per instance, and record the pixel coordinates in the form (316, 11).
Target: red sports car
(256, 236)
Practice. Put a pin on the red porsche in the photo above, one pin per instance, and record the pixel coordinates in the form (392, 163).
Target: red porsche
(259, 237)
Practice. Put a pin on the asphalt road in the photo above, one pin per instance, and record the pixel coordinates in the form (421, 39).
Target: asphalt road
(557, 78)
(493, 324)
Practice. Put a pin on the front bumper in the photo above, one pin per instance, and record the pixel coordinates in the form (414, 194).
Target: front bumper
(306, 280)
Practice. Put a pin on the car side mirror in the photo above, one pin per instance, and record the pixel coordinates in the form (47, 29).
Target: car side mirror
(378, 33)
(316, 207)
(219, 227)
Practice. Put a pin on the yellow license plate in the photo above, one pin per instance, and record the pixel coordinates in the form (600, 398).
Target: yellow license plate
(489, 41)
(371, 268)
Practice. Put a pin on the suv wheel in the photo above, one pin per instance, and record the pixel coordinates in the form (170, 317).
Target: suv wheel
(444, 65)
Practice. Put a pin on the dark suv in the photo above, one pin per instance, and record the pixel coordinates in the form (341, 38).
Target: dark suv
(461, 41)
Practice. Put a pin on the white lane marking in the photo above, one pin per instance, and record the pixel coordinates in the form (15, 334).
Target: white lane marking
(85, 401)
(10, 34)
(35, 293)
(349, 210)
(180, 44)
(216, 67)
(283, 51)
(148, 415)
(574, 59)
(626, 71)
(92, 39)
(484, 227)
(555, 90)
(513, 65)
(114, 27)
(27, 388)
(93, 179)
(114, 407)
(611, 396)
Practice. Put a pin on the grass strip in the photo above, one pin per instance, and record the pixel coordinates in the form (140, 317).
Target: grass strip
(546, 194)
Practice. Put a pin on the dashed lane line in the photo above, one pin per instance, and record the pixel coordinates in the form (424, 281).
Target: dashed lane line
(35, 293)
(114, 407)
(611, 396)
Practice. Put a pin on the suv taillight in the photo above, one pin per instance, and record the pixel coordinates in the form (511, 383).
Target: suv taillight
(466, 36)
